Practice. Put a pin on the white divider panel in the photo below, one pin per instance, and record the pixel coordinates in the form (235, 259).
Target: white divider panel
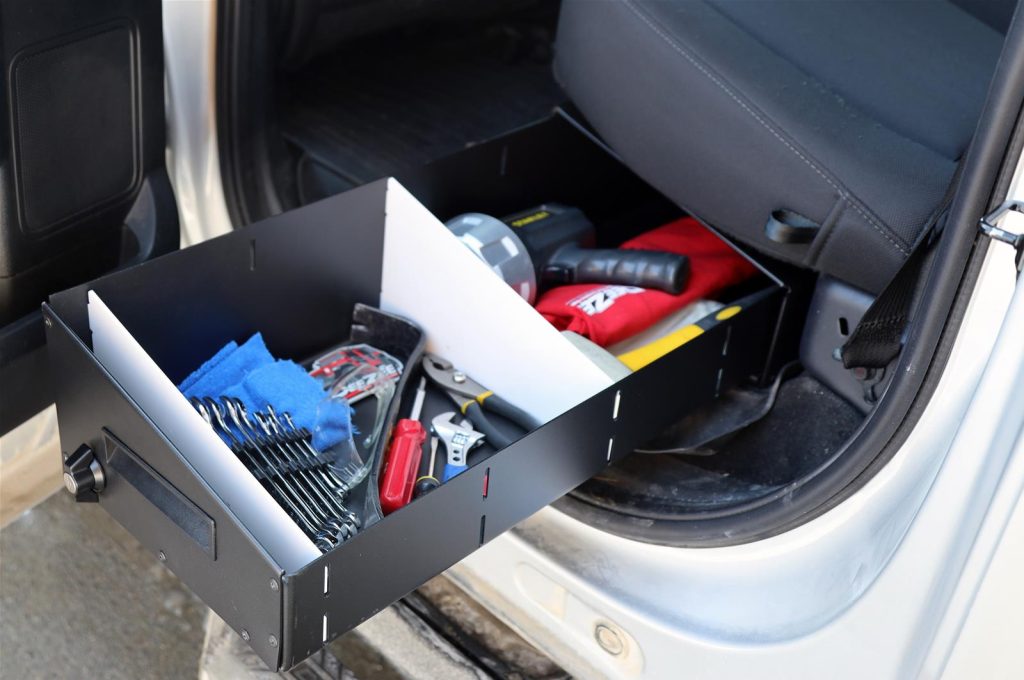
(159, 398)
(474, 319)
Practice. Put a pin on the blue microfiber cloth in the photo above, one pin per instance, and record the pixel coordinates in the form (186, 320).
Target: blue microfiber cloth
(208, 365)
(230, 369)
(289, 389)
(249, 372)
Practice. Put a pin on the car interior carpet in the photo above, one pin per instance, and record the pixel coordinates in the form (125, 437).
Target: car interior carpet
(375, 108)
(806, 427)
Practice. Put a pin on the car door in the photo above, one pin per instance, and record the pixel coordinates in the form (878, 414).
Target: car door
(83, 189)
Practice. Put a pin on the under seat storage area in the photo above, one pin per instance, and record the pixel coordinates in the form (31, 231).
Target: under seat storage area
(295, 541)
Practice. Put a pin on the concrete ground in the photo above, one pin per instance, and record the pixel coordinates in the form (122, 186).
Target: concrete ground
(80, 597)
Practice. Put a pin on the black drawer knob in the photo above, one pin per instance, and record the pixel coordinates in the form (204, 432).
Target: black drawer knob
(83, 475)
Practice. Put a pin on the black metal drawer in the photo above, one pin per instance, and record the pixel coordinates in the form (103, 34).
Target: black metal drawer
(296, 278)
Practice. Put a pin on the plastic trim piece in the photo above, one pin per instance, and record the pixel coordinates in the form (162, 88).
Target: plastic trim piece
(786, 226)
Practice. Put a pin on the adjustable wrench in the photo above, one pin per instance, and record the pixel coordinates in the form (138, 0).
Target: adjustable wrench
(459, 440)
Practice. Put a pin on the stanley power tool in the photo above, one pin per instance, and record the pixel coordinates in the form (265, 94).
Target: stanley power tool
(552, 244)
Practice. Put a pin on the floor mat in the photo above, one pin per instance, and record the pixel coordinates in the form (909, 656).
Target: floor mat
(369, 111)
(806, 426)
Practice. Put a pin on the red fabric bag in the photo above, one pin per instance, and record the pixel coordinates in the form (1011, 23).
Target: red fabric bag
(608, 314)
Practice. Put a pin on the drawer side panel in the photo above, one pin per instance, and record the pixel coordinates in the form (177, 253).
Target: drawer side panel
(237, 583)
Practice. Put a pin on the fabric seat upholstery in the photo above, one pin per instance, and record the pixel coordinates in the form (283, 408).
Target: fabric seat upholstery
(852, 114)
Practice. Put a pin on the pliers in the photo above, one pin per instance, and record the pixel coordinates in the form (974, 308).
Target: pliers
(472, 399)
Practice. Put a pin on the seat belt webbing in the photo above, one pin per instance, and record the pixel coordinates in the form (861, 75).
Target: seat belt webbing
(878, 337)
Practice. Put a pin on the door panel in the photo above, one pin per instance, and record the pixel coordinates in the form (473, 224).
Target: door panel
(82, 183)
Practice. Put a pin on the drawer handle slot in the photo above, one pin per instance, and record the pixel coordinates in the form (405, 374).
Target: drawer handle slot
(196, 524)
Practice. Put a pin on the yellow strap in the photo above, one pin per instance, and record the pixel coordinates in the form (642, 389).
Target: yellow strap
(641, 356)
(728, 313)
(420, 479)
(466, 405)
(483, 395)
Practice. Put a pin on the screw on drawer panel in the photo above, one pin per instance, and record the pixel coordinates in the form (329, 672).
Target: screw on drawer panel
(245, 635)
(272, 641)
(273, 585)
(609, 640)
(162, 556)
(47, 321)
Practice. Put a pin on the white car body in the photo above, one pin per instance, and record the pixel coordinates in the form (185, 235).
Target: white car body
(918, 574)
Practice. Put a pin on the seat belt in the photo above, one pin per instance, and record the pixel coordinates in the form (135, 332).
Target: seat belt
(880, 335)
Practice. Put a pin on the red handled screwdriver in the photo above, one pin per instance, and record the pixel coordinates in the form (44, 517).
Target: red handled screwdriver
(404, 454)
